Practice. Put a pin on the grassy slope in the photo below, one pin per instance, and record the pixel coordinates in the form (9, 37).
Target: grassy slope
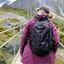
(60, 25)
(20, 12)
(5, 58)
(8, 56)
(4, 10)
(59, 60)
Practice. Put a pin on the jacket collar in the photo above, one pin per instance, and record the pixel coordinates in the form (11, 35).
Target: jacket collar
(41, 17)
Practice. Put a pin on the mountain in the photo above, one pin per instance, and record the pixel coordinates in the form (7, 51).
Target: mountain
(56, 5)
(2, 1)
(25, 4)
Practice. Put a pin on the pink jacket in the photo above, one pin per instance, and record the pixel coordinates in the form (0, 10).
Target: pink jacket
(28, 57)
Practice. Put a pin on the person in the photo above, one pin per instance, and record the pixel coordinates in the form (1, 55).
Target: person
(28, 57)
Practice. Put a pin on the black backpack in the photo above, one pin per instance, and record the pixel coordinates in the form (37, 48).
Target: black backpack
(41, 38)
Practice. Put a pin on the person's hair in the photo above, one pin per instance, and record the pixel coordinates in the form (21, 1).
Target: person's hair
(46, 10)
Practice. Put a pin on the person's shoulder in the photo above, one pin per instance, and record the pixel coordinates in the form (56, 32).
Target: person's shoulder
(51, 21)
(30, 21)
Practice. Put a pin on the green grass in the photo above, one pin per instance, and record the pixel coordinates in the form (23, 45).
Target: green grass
(59, 60)
(21, 12)
(14, 20)
(1, 22)
(5, 57)
(7, 53)
(60, 25)
(4, 37)
(2, 29)
(7, 35)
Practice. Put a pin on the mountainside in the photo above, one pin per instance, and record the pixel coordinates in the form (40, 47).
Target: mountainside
(56, 5)
(25, 4)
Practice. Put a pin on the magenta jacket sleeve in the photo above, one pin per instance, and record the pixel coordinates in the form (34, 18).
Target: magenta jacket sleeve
(56, 38)
(24, 35)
